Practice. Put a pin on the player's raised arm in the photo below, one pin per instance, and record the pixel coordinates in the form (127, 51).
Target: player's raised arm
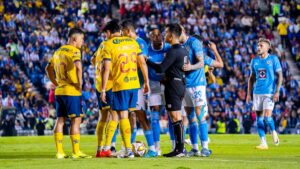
(197, 47)
(218, 61)
(50, 73)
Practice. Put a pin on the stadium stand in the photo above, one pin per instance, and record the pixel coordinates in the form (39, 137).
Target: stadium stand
(31, 30)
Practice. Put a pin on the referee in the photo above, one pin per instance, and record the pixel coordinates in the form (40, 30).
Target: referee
(175, 83)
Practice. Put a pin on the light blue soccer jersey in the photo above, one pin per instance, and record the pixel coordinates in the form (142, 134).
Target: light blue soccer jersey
(144, 47)
(265, 74)
(156, 56)
(194, 77)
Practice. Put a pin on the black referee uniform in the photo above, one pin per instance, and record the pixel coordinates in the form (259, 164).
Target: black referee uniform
(174, 89)
(175, 76)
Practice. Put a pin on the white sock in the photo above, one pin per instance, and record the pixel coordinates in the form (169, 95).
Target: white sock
(195, 146)
(263, 140)
(173, 144)
(157, 145)
(152, 148)
(204, 144)
(113, 144)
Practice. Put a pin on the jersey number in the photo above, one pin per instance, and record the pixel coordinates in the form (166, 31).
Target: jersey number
(61, 69)
(132, 56)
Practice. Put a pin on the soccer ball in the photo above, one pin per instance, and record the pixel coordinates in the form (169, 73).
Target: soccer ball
(139, 149)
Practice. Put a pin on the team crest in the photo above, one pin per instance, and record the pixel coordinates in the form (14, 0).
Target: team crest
(269, 62)
(262, 73)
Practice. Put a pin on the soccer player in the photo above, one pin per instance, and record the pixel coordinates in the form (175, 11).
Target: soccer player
(104, 123)
(128, 29)
(195, 97)
(175, 83)
(265, 70)
(157, 50)
(211, 63)
(123, 54)
(66, 63)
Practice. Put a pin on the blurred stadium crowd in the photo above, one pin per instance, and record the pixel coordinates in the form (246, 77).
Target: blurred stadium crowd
(30, 31)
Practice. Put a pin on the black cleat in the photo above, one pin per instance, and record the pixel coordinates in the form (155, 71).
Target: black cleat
(175, 153)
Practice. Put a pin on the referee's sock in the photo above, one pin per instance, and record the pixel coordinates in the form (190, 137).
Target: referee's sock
(171, 132)
(178, 133)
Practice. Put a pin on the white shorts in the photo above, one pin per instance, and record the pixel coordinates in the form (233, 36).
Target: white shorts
(155, 87)
(263, 102)
(140, 104)
(156, 99)
(194, 96)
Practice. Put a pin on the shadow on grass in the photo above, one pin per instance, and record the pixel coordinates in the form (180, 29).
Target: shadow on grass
(32, 155)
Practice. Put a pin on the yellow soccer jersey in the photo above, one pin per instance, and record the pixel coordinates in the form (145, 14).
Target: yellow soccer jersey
(65, 70)
(99, 68)
(123, 52)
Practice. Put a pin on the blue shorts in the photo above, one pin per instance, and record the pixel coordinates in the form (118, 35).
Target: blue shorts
(68, 106)
(109, 99)
(125, 100)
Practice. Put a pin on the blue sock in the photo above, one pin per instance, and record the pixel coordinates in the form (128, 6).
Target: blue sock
(114, 139)
(149, 137)
(260, 127)
(133, 135)
(171, 129)
(270, 123)
(193, 132)
(203, 131)
(155, 125)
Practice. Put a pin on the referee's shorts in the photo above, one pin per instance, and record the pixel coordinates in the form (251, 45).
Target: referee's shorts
(174, 94)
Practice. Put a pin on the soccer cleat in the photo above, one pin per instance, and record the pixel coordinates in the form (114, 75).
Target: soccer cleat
(158, 152)
(61, 156)
(113, 149)
(80, 155)
(206, 152)
(262, 147)
(127, 154)
(193, 153)
(119, 153)
(175, 153)
(150, 154)
(275, 138)
(105, 153)
(188, 142)
(98, 154)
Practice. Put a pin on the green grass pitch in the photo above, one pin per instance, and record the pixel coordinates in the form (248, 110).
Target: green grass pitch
(229, 151)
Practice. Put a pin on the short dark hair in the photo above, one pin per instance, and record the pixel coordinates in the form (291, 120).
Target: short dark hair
(128, 24)
(112, 26)
(75, 31)
(175, 29)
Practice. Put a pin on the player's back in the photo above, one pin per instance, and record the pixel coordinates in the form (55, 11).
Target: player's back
(123, 52)
(63, 60)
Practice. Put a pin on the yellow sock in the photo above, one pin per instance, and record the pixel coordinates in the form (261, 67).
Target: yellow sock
(100, 131)
(75, 143)
(126, 132)
(58, 138)
(110, 131)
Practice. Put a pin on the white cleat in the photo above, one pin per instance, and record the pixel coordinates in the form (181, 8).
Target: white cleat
(262, 147)
(275, 138)
(188, 142)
